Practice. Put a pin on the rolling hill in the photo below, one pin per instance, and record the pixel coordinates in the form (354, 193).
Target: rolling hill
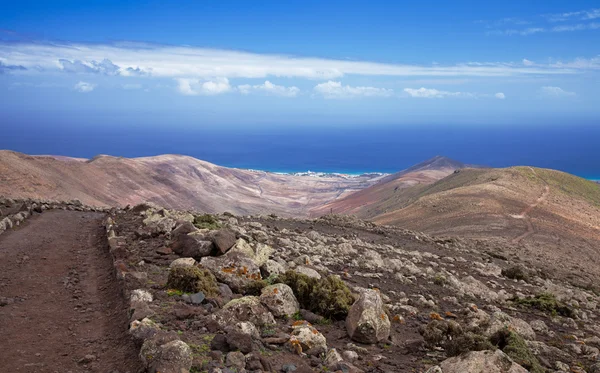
(392, 191)
(173, 181)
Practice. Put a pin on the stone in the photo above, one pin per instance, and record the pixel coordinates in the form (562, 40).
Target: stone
(247, 308)
(280, 300)
(164, 251)
(223, 240)
(271, 268)
(239, 341)
(481, 362)
(197, 298)
(192, 245)
(236, 360)
(158, 223)
(259, 253)
(308, 271)
(306, 338)
(367, 321)
(171, 357)
(349, 356)
(234, 269)
(183, 228)
(219, 343)
(140, 295)
(140, 311)
(332, 357)
(183, 262)
(501, 320)
(142, 330)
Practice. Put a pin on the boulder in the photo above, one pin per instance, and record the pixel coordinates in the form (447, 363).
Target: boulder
(223, 239)
(307, 339)
(183, 262)
(159, 222)
(140, 295)
(235, 360)
(171, 357)
(234, 269)
(247, 308)
(183, 228)
(142, 330)
(367, 321)
(280, 300)
(481, 362)
(193, 245)
(259, 253)
(271, 268)
(500, 321)
(308, 271)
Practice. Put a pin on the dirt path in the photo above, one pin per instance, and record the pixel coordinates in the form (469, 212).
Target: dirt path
(61, 308)
(524, 214)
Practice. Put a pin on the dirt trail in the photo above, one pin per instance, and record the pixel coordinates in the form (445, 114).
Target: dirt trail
(59, 300)
(524, 214)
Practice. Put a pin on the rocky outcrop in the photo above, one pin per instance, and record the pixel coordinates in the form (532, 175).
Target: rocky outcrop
(367, 321)
(481, 362)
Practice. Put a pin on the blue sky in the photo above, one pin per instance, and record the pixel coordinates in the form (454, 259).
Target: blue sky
(302, 62)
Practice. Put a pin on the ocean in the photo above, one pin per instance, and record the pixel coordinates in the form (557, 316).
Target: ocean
(356, 149)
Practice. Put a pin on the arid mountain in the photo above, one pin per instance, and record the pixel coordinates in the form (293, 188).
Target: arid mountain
(387, 194)
(172, 181)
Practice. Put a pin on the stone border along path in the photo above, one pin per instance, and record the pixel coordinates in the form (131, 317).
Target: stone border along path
(61, 305)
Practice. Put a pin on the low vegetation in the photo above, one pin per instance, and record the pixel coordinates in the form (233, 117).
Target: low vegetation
(547, 303)
(516, 273)
(206, 221)
(192, 280)
(515, 346)
(329, 297)
(452, 338)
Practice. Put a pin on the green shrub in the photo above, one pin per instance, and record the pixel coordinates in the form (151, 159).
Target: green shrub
(545, 302)
(255, 287)
(440, 280)
(206, 221)
(515, 346)
(329, 297)
(192, 280)
(452, 338)
(515, 273)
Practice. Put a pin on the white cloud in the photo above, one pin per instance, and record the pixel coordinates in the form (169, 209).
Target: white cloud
(193, 87)
(434, 93)
(84, 87)
(269, 88)
(582, 15)
(555, 92)
(331, 89)
(526, 62)
(200, 63)
(579, 63)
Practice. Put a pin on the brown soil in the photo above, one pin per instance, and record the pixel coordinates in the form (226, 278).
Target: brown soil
(64, 301)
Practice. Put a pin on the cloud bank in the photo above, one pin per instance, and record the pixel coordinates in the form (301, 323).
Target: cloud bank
(131, 59)
(334, 90)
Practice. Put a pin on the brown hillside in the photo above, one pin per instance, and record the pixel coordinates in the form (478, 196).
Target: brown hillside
(392, 191)
(173, 181)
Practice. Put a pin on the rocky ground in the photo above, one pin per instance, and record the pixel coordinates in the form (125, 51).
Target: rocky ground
(233, 294)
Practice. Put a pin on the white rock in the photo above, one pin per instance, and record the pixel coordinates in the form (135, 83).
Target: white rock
(183, 262)
(140, 295)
